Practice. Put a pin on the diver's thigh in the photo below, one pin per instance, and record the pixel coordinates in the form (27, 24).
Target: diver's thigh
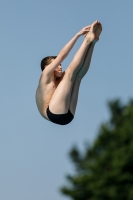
(60, 101)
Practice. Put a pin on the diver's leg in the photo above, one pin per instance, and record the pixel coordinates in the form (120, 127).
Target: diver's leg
(60, 102)
(81, 73)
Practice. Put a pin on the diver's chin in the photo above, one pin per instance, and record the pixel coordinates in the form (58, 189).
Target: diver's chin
(59, 75)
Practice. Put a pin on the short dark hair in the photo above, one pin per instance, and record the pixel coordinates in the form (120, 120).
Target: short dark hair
(46, 61)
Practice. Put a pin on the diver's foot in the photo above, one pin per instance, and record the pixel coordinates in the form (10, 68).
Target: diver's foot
(95, 31)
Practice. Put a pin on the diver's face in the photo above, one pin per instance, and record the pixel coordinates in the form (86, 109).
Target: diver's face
(58, 71)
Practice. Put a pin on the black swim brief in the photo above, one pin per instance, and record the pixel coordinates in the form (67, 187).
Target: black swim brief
(61, 119)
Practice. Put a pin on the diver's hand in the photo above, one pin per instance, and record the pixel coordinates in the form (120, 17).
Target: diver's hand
(84, 30)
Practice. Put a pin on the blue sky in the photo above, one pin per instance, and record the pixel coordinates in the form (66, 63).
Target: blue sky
(34, 152)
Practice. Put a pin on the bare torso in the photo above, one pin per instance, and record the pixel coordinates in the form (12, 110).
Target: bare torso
(44, 93)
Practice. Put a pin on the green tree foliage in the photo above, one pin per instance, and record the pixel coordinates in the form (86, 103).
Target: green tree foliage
(105, 170)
